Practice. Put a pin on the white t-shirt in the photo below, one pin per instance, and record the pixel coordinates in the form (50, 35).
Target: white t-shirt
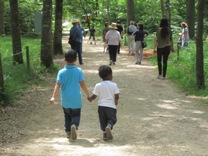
(113, 37)
(105, 91)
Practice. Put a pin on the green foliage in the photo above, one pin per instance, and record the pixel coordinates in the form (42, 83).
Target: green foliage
(26, 15)
(146, 12)
(18, 77)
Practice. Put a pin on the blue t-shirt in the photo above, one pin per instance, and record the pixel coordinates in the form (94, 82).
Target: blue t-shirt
(70, 77)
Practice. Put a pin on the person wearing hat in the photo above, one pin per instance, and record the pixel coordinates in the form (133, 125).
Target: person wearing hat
(185, 34)
(76, 39)
(113, 39)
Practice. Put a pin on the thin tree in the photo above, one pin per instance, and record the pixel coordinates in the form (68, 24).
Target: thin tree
(57, 40)
(169, 18)
(190, 16)
(2, 26)
(46, 41)
(130, 11)
(15, 29)
(162, 8)
(200, 82)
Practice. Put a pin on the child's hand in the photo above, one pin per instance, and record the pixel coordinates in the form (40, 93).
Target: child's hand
(89, 99)
(52, 101)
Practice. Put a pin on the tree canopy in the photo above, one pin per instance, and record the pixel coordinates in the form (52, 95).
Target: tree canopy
(96, 12)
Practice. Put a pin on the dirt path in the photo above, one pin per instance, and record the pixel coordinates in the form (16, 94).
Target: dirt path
(154, 117)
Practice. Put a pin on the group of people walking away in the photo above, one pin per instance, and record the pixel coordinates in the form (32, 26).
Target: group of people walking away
(71, 78)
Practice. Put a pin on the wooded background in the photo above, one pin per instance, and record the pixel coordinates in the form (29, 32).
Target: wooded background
(17, 19)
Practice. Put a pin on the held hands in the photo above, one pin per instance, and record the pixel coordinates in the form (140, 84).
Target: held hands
(89, 99)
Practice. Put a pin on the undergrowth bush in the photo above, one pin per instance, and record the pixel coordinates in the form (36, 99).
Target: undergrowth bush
(182, 68)
(18, 77)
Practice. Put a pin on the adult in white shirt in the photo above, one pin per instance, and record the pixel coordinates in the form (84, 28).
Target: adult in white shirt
(113, 39)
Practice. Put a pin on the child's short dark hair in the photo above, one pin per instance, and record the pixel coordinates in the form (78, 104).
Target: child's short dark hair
(70, 55)
(104, 71)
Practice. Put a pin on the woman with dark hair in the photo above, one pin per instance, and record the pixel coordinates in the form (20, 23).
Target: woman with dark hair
(163, 37)
(139, 38)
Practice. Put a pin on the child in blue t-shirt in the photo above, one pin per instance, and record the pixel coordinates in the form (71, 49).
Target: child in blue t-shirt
(69, 80)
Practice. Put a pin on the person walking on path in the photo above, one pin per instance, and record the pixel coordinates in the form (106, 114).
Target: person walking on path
(108, 94)
(163, 39)
(185, 34)
(131, 40)
(139, 38)
(120, 30)
(113, 39)
(76, 39)
(92, 34)
(69, 80)
(105, 30)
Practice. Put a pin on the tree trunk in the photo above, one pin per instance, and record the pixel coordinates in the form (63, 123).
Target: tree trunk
(15, 28)
(108, 11)
(190, 16)
(162, 8)
(2, 26)
(169, 18)
(57, 40)
(200, 82)
(46, 41)
(130, 11)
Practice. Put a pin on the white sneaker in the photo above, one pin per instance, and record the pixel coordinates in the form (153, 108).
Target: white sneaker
(73, 132)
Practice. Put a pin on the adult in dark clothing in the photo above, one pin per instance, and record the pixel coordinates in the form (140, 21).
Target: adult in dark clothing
(120, 30)
(92, 34)
(163, 38)
(105, 30)
(76, 39)
(139, 38)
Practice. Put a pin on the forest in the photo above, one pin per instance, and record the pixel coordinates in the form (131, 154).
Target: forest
(18, 26)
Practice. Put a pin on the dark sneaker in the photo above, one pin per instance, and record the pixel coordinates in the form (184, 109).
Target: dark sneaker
(108, 131)
(105, 136)
(73, 132)
(68, 134)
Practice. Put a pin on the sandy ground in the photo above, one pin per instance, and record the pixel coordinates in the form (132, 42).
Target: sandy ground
(154, 117)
